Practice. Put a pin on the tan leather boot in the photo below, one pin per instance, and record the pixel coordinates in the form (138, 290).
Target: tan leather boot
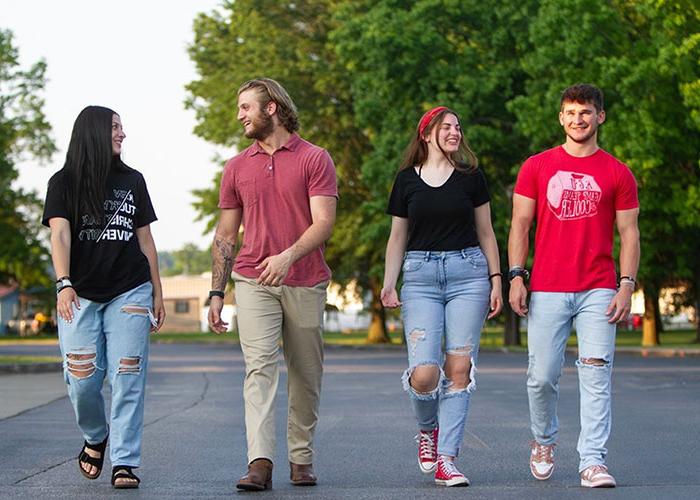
(259, 476)
(302, 474)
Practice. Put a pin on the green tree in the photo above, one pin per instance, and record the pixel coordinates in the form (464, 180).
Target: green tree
(287, 42)
(406, 57)
(644, 54)
(24, 133)
(189, 259)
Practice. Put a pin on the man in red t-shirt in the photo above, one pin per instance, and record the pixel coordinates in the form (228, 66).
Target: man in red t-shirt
(578, 194)
(283, 190)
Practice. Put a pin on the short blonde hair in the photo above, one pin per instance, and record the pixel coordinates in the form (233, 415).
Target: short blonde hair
(270, 90)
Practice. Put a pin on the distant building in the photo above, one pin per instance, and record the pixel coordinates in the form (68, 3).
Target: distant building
(9, 306)
(186, 300)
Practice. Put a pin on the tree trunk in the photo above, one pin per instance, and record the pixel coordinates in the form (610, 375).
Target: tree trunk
(377, 333)
(650, 334)
(511, 333)
(657, 316)
(697, 321)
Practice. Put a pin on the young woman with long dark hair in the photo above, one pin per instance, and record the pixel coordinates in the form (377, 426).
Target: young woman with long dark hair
(108, 290)
(441, 235)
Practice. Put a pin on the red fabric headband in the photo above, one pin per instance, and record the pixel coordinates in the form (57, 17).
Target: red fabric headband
(427, 117)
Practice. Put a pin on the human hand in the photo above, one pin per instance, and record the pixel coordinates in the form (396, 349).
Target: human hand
(274, 269)
(390, 297)
(216, 324)
(495, 300)
(158, 313)
(518, 296)
(620, 305)
(65, 300)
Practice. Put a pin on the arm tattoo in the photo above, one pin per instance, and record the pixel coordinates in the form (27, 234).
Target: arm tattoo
(222, 263)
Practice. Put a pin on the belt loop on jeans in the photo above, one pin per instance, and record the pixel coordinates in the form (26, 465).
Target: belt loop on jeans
(427, 256)
(464, 253)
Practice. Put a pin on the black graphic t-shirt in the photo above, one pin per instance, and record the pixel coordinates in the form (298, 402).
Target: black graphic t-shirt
(439, 218)
(105, 257)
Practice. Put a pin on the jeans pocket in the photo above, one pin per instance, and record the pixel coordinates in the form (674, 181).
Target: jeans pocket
(412, 265)
(478, 259)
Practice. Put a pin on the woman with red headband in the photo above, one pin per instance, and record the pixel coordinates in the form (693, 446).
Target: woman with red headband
(442, 238)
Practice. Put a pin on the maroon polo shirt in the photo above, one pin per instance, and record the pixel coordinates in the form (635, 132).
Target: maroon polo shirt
(274, 192)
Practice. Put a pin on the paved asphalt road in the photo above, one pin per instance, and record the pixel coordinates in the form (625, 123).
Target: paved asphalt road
(194, 443)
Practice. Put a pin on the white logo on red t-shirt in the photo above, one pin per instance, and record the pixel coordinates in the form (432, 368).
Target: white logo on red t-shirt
(572, 196)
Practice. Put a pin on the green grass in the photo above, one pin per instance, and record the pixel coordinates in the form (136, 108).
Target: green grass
(492, 337)
(13, 360)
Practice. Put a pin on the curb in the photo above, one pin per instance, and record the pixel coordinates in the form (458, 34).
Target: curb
(16, 368)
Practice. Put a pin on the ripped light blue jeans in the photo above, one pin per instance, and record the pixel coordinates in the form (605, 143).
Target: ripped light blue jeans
(445, 298)
(109, 339)
(550, 319)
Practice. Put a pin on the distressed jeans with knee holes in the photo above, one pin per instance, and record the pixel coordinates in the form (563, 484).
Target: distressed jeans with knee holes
(445, 297)
(109, 339)
(550, 319)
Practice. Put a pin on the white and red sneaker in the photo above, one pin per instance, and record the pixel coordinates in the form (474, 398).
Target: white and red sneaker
(446, 473)
(597, 476)
(541, 460)
(427, 450)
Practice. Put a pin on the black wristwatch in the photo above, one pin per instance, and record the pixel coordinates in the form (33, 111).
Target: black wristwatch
(216, 293)
(518, 271)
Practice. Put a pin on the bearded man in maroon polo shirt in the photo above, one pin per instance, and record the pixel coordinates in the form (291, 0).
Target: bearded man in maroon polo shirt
(283, 190)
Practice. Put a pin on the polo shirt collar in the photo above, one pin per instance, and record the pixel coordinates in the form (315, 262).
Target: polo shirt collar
(291, 145)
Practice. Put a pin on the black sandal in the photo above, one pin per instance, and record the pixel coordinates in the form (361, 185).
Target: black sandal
(84, 458)
(123, 471)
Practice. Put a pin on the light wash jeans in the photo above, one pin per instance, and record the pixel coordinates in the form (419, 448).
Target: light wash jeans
(445, 297)
(550, 319)
(109, 339)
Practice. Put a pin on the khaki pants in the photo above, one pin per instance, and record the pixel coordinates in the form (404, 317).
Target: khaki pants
(295, 313)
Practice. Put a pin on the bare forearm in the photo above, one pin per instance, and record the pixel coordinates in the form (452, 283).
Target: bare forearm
(395, 250)
(518, 245)
(311, 239)
(489, 246)
(222, 251)
(60, 254)
(148, 248)
(629, 254)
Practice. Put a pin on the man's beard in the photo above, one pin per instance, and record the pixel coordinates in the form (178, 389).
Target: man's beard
(261, 127)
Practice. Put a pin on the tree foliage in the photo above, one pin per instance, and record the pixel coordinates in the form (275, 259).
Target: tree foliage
(362, 72)
(189, 260)
(645, 55)
(287, 42)
(24, 133)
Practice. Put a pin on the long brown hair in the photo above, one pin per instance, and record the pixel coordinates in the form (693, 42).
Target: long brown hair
(416, 152)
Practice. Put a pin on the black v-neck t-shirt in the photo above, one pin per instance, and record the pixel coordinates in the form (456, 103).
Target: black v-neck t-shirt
(439, 218)
(105, 256)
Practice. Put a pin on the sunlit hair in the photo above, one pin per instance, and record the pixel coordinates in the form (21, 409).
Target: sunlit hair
(416, 153)
(88, 162)
(271, 91)
(583, 93)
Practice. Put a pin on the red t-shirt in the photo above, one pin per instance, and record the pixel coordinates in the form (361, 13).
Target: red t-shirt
(576, 203)
(274, 193)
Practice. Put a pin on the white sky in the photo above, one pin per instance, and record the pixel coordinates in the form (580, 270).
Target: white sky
(131, 56)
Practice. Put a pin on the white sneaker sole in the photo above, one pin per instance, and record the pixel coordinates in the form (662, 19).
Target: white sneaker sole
(431, 470)
(603, 483)
(458, 481)
(539, 476)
